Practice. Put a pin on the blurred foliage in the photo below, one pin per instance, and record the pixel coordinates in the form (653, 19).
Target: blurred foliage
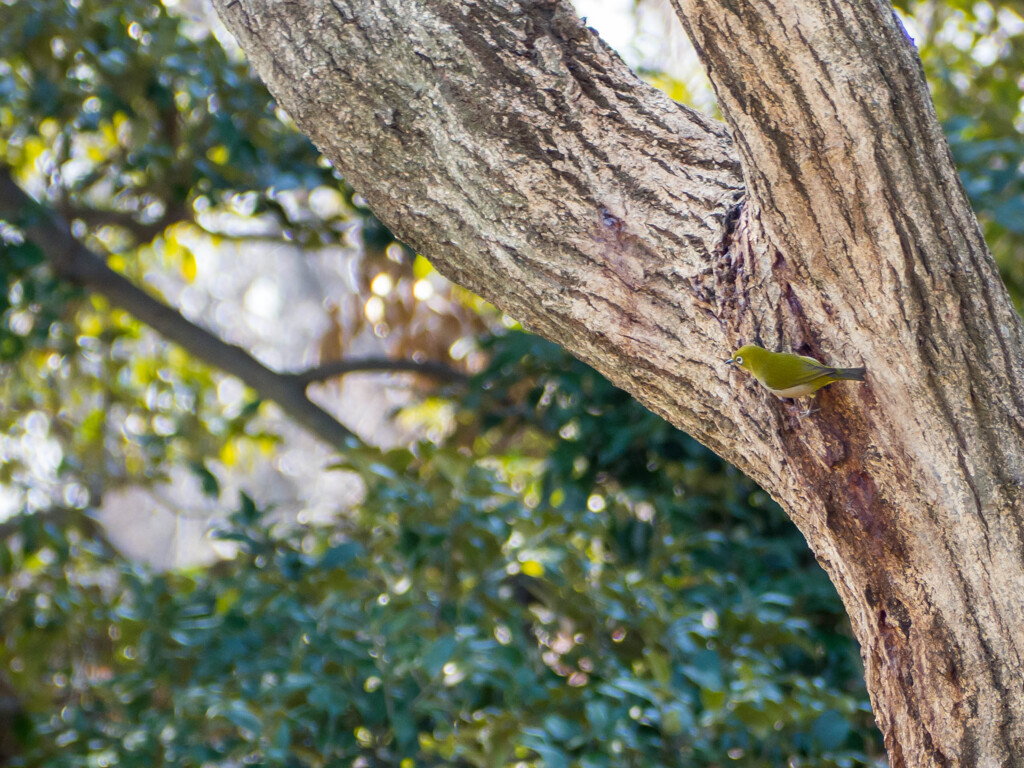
(558, 579)
(973, 54)
(573, 600)
(156, 142)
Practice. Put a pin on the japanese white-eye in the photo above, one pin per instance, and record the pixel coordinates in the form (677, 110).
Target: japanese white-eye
(787, 375)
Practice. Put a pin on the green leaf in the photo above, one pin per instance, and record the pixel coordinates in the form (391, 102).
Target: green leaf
(830, 730)
(438, 655)
(207, 480)
(239, 713)
(340, 555)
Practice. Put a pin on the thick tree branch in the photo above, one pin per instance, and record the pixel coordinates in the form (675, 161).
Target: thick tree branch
(531, 165)
(506, 143)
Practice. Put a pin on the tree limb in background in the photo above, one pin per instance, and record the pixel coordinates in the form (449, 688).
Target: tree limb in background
(74, 262)
(337, 368)
(141, 231)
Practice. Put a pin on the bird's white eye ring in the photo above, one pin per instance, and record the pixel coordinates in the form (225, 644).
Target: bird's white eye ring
(739, 360)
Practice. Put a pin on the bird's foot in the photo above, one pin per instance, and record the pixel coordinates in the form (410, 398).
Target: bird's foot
(808, 411)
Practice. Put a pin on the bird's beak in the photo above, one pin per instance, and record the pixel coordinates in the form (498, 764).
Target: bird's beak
(729, 361)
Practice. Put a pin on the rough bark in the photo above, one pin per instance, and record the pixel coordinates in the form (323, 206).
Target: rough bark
(507, 144)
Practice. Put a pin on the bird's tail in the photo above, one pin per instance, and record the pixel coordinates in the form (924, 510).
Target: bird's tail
(850, 374)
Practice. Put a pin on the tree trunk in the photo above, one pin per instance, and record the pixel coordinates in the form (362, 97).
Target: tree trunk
(504, 141)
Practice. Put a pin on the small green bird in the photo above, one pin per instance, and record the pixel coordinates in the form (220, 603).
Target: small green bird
(787, 375)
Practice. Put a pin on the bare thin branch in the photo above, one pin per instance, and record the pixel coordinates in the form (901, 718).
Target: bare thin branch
(336, 368)
(140, 230)
(73, 261)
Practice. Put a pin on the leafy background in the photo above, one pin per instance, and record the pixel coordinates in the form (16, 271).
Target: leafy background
(528, 569)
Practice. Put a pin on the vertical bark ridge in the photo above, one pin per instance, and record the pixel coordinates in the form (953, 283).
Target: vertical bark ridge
(851, 180)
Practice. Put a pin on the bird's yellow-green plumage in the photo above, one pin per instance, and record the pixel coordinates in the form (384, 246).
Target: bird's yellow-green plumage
(789, 375)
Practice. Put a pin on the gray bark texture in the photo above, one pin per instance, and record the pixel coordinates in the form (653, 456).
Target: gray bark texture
(505, 142)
